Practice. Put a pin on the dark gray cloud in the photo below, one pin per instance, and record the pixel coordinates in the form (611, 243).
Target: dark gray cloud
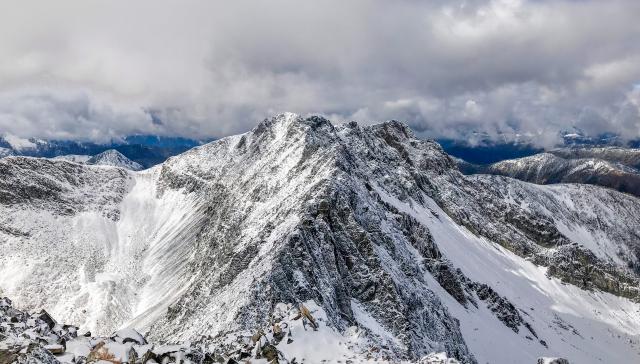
(97, 70)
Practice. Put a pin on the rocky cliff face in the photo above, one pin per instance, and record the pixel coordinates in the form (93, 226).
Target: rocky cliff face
(375, 226)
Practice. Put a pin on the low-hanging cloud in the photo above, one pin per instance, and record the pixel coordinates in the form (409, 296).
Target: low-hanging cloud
(101, 70)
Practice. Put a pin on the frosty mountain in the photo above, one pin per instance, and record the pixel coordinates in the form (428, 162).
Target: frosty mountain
(612, 167)
(114, 158)
(375, 226)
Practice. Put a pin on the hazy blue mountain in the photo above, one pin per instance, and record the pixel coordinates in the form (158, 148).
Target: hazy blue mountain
(146, 150)
(487, 153)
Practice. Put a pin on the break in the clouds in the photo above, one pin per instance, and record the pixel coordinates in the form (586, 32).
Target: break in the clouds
(103, 69)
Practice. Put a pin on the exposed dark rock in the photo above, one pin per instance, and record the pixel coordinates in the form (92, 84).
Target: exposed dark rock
(44, 316)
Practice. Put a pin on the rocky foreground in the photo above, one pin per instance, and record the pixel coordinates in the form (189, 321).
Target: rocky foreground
(38, 339)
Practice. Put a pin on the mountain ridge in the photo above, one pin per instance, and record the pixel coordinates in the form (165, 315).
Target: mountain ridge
(614, 168)
(147, 150)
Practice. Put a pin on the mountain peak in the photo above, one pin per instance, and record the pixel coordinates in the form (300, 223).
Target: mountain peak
(112, 157)
(290, 120)
(398, 128)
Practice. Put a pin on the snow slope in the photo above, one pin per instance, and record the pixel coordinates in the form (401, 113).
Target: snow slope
(104, 268)
(583, 326)
(372, 225)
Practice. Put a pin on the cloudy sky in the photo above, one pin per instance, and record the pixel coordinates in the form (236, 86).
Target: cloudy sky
(103, 69)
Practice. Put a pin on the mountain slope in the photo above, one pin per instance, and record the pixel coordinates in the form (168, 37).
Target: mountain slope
(376, 227)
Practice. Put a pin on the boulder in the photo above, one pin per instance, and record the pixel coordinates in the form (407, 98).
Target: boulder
(55, 348)
(44, 316)
(128, 335)
(270, 353)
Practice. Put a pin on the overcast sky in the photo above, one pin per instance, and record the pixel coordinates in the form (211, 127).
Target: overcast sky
(103, 69)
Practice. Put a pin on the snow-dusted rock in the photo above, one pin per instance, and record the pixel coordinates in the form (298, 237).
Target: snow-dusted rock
(55, 348)
(437, 358)
(273, 343)
(128, 335)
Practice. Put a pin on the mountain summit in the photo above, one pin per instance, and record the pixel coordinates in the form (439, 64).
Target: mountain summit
(371, 225)
(114, 158)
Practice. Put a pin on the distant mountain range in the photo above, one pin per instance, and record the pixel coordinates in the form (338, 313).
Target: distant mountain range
(150, 150)
(489, 152)
(485, 150)
(145, 150)
(613, 167)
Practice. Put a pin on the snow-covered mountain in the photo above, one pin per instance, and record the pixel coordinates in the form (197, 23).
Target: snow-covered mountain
(109, 157)
(375, 229)
(609, 167)
(627, 156)
(114, 158)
